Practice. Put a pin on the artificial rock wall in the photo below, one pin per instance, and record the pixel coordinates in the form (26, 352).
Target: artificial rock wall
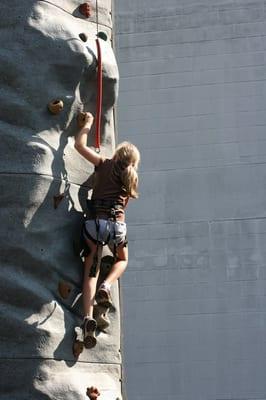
(43, 58)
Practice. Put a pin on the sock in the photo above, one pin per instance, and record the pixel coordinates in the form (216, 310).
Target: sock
(87, 317)
(106, 285)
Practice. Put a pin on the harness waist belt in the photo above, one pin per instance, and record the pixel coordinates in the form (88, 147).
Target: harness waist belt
(108, 206)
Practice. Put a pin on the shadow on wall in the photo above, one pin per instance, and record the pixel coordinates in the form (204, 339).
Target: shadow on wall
(37, 67)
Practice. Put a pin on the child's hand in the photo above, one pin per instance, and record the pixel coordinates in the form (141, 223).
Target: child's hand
(85, 119)
(88, 119)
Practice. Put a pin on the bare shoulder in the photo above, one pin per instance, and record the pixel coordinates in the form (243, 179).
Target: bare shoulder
(89, 154)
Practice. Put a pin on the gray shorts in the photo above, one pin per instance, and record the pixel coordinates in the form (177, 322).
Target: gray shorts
(110, 232)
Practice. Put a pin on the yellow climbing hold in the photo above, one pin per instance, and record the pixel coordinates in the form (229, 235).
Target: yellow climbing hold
(56, 106)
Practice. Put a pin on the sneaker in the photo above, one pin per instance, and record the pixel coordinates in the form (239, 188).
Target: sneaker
(103, 297)
(89, 327)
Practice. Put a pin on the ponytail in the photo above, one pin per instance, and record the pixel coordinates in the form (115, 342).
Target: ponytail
(130, 181)
(128, 157)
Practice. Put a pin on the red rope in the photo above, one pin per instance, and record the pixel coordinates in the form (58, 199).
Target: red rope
(99, 97)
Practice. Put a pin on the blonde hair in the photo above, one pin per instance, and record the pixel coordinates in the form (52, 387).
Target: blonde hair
(129, 157)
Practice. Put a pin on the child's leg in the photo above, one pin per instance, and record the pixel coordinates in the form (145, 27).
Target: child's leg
(119, 266)
(103, 295)
(89, 283)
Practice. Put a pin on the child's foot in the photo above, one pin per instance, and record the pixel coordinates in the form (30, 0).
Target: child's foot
(103, 296)
(89, 327)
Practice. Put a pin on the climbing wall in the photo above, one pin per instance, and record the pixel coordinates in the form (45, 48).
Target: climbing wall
(192, 97)
(48, 56)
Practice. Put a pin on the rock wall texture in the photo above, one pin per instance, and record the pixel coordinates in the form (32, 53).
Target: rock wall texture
(192, 97)
(43, 58)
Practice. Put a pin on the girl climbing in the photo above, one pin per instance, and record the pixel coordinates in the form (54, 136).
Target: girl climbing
(116, 181)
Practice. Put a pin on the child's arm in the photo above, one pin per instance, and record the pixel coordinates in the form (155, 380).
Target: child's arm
(81, 142)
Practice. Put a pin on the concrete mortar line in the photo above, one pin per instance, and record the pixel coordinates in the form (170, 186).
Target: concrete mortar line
(209, 221)
(183, 115)
(145, 60)
(184, 132)
(227, 38)
(226, 6)
(202, 167)
(200, 85)
(206, 235)
(212, 313)
(193, 56)
(166, 103)
(174, 133)
(185, 71)
(180, 15)
(166, 146)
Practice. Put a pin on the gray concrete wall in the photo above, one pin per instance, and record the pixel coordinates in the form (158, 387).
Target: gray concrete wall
(192, 97)
(43, 58)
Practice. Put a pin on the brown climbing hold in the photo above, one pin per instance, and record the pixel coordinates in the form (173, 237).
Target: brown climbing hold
(64, 289)
(93, 393)
(85, 9)
(78, 348)
(56, 106)
(57, 199)
(83, 37)
(100, 314)
(81, 119)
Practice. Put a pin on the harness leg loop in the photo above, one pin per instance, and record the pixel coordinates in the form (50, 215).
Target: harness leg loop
(98, 254)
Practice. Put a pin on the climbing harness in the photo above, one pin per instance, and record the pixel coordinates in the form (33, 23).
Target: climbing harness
(111, 209)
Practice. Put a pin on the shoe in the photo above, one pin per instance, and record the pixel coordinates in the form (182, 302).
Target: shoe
(103, 297)
(89, 327)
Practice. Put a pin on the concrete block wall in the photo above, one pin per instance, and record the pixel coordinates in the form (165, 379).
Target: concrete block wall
(192, 97)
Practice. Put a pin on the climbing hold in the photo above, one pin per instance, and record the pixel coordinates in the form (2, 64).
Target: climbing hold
(64, 289)
(77, 348)
(81, 119)
(83, 37)
(93, 393)
(57, 199)
(102, 35)
(85, 9)
(100, 314)
(78, 344)
(56, 106)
